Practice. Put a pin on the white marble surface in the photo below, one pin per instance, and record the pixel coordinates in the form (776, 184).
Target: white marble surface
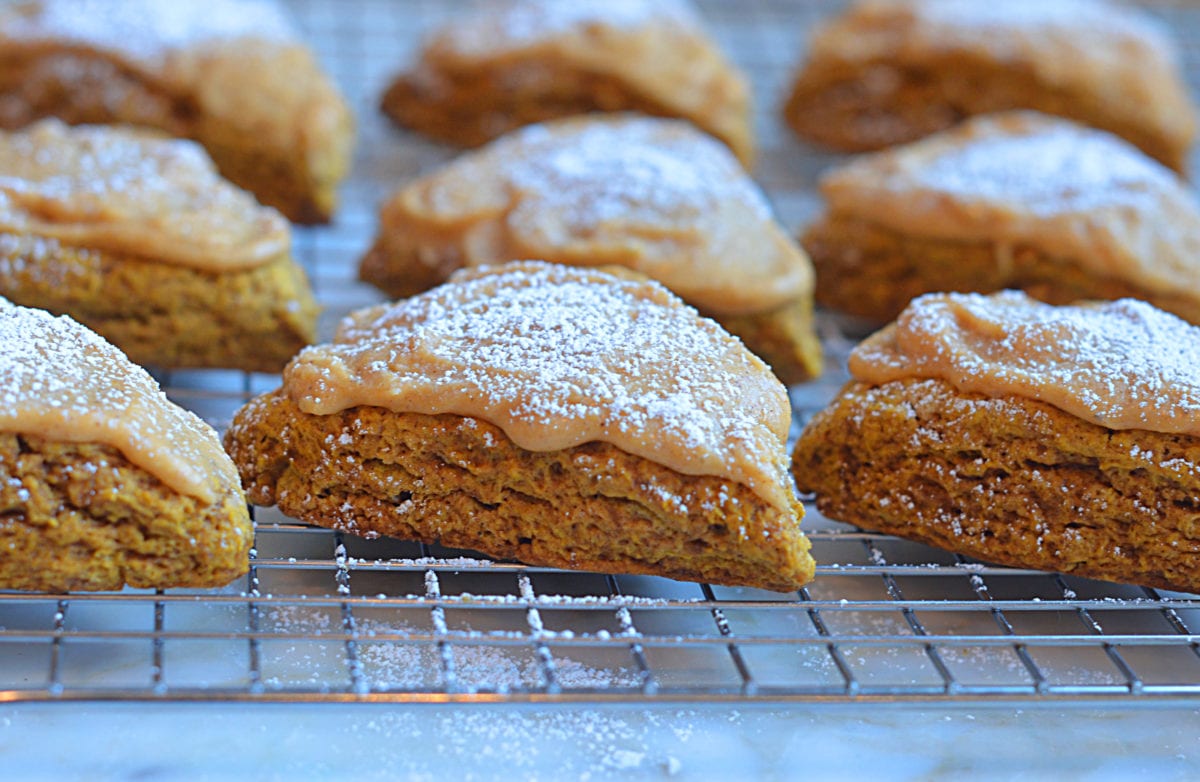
(153, 742)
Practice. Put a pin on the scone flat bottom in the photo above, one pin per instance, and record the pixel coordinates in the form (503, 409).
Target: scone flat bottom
(81, 517)
(872, 272)
(1011, 481)
(460, 482)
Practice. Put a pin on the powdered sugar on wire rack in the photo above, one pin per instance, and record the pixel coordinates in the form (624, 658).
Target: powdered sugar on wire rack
(324, 616)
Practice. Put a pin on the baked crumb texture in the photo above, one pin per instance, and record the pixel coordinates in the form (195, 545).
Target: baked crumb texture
(1008, 480)
(524, 61)
(873, 271)
(167, 315)
(885, 73)
(77, 516)
(230, 74)
(459, 481)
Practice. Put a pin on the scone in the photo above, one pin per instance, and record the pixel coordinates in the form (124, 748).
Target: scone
(137, 237)
(103, 481)
(890, 71)
(1057, 438)
(1016, 200)
(516, 62)
(230, 74)
(574, 418)
(654, 195)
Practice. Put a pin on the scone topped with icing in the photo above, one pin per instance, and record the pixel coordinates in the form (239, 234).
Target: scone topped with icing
(1121, 365)
(516, 62)
(134, 193)
(581, 398)
(891, 71)
(1027, 201)
(139, 238)
(652, 195)
(230, 74)
(106, 481)
(1061, 438)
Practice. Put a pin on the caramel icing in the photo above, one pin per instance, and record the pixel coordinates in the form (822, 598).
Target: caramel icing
(654, 195)
(64, 382)
(1024, 178)
(1119, 55)
(131, 192)
(502, 28)
(1122, 364)
(658, 47)
(559, 356)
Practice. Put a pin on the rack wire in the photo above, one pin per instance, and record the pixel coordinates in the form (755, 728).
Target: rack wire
(323, 616)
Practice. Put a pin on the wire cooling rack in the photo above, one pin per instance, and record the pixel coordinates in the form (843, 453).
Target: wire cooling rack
(328, 617)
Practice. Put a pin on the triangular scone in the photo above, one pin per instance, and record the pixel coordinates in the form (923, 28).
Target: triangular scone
(560, 416)
(1017, 200)
(137, 237)
(653, 195)
(1058, 438)
(230, 74)
(103, 481)
(891, 71)
(516, 62)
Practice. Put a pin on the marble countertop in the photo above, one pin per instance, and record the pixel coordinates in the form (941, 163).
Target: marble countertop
(150, 742)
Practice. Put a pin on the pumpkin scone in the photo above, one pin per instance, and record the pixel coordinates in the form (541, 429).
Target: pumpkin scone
(1015, 200)
(137, 237)
(517, 62)
(1062, 438)
(887, 72)
(230, 74)
(653, 195)
(564, 417)
(103, 481)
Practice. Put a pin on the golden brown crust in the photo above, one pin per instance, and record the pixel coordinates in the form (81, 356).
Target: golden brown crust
(166, 315)
(272, 120)
(785, 338)
(461, 482)
(473, 83)
(81, 517)
(872, 272)
(1007, 480)
(890, 73)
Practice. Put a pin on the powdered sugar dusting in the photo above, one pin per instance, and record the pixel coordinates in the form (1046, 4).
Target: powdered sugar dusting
(520, 23)
(124, 190)
(1053, 168)
(1066, 17)
(62, 381)
(656, 195)
(1072, 193)
(558, 356)
(1122, 365)
(146, 31)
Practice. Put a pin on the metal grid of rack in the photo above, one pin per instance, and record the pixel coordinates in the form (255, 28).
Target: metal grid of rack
(326, 617)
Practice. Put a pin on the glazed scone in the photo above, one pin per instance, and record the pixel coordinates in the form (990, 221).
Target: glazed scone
(230, 74)
(103, 481)
(137, 237)
(574, 418)
(891, 71)
(999, 427)
(517, 62)
(654, 195)
(1015, 200)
